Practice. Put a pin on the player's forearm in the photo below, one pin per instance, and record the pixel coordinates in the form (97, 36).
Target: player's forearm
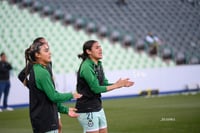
(62, 109)
(112, 87)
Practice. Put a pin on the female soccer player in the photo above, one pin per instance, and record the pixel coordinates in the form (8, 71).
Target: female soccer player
(45, 101)
(49, 68)
(91, 82)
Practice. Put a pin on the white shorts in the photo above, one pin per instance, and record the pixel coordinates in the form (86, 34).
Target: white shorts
(58, 115)
(93, 121)
(52, 131)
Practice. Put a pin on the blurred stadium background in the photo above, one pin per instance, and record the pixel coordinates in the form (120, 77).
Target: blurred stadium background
(121, 29)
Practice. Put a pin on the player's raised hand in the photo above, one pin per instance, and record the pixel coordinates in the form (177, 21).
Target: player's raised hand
(128, 83)
(124, 82)
(120, 83)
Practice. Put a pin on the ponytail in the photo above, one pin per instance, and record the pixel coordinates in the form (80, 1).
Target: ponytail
(30, 56)
(27, 63)
(83, 56)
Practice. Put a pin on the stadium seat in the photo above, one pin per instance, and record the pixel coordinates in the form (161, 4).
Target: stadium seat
(68, 19)
(27, 3)
(127, 41)
(79, 24)
(103, 31)
(115, 36)
(166, 54)
(180, 58)
(14, 1)
(91, 28)
(194, 60)
(37, 6)
(47, 11)
(58, 14)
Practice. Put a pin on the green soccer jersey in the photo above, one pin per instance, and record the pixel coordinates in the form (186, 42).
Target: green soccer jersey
(44, 82)
(88, 73)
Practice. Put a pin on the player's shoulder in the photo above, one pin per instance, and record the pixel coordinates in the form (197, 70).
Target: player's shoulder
(40, 70)
(87, 64)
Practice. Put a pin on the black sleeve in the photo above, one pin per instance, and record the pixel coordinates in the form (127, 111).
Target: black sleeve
(9, 67)
(22, 75)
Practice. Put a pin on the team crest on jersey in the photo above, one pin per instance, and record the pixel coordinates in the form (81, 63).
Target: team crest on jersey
(90, 123)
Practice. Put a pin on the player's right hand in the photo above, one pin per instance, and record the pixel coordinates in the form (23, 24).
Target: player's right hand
(72, 113)
(77, 95)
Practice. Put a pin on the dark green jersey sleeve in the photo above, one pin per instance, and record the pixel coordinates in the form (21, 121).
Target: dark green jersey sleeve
(88, 74)
(62, 109)
(44, 83)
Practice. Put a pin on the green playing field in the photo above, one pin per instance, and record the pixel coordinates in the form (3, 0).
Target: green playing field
(160, 114)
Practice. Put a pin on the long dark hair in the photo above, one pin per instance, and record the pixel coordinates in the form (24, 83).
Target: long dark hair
(86, 46)
(30, 55)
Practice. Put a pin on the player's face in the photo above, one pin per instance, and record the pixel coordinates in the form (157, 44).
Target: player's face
(96, 52)
(44, 56)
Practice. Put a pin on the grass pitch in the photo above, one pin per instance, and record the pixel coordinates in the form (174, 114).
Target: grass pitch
(160, 114)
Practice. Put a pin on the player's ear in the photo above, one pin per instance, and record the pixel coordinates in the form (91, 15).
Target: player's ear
(88, 52)
(37, 55)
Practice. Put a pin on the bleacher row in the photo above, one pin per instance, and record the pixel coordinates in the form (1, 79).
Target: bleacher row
(20, 26)
(175, 22)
